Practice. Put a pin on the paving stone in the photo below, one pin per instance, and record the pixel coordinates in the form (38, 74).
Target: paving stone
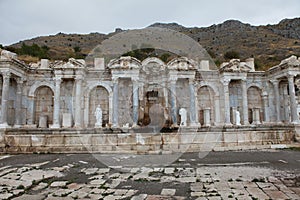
(5, 195)
(268, 186)
(165, 179)
(62, 192)
(131, 193)
(103, 170)
(59, 184)
(198, 194)
(275, 194)
(186, 179)
(139, 197)
(78, 194)
(196, 187)
(120, 192)
(17, 192)
(169, 170)
(75, 186)
(98, 182)
(168, 192)
(40, 186)
(257, 193)
(95, 196)
(89, 171)
(30, 197)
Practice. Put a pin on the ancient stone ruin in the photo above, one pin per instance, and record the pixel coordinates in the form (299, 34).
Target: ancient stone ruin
(130, 105)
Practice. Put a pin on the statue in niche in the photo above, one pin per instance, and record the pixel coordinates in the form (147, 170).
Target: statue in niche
(182, 113)
(98, 115)
(237, 117)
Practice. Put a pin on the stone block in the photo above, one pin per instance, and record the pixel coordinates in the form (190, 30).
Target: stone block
(43, 121)
(67, 120)
(204, 65)
(44, 63)
(99, 63)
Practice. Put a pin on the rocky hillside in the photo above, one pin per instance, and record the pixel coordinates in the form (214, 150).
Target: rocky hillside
(267, 44)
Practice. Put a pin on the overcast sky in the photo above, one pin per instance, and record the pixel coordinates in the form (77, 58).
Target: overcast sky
(25, 19)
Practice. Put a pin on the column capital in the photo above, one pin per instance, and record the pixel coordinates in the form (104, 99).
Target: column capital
(6, 74)
(20, 80)
(274, 81)
(264, 94)
(225, 81)
(244, 80)
(134, 79)
(79, 78)
(115, 79)
(290, 77)
(172, 79)
(57, 79)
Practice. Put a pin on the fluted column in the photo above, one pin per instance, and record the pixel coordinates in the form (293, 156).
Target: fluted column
(115, 102)
(217, 110)
(56, 110)
(245, 103)
(4, 102)
(135, 90)
(19, 114)
(78, 95)
(225, 83)
(277, 99)
(266, 110)
(293, 102)
(193, 109)
(173, 101)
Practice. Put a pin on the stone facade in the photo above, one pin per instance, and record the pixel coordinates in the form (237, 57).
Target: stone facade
(65, 94)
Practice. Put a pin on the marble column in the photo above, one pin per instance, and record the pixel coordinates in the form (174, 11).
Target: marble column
(217, 111)
(56, 109)
(293, 103)
(206, 114)
(193, 109)
(277, 99)
(256, 116)
(19, 114)
(115, 102)
(173, 101)
(4, 102)
(265, 104)
(245, 103)
(285, 104)
(78, 95)
(226, 101)
(135, 90)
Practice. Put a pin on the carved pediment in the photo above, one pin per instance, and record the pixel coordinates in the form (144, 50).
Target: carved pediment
(72, 63)
(127, 62)
(235, 65)
(182, 63)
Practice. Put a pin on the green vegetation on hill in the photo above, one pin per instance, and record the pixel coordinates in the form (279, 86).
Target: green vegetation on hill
(268, 45)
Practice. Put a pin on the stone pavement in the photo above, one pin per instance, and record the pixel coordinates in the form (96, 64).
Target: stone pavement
(83, 180)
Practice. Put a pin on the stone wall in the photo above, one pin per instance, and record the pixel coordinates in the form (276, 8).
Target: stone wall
(106, 141)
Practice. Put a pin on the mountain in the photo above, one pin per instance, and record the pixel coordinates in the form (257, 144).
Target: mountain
(268, 44)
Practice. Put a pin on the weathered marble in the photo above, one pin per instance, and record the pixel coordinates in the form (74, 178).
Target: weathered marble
(126, 89)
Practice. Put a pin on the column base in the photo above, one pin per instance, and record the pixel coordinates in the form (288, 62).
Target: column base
(194, 124)
(54, 126)
(30, 126)
(17, 126)
(5, 125)
(256, 123)
(228, 124)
